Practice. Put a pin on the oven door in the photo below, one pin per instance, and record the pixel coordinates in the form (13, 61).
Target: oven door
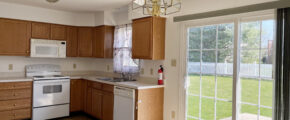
(51, 92)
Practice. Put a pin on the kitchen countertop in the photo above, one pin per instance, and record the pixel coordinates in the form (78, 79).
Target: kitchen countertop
(15, 79)
(130, 84)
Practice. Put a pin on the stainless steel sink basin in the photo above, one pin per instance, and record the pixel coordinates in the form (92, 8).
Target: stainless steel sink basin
(115, 79)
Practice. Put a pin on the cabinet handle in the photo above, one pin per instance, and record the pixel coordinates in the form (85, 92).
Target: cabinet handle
(14, 104)
(27, 51)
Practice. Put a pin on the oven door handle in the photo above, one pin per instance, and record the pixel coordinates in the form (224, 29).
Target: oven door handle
(51, 81)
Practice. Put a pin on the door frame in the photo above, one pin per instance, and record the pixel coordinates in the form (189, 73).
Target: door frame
(236, 19)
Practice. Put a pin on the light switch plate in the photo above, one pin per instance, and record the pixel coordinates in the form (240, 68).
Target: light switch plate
(173, 62)
(108, 67)
(10, 67)
(142, 71)
(74, 66)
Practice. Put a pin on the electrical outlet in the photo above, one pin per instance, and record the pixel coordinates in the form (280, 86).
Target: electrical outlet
(151, 71)
(173, 114)
(173, 62)
(142, 71)
(108, 67)
(10, 67)
(74, 66)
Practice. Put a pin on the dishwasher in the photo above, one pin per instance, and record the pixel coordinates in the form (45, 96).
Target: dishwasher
(124, 103)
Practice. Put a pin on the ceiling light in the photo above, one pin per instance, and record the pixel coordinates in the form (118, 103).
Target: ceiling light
(52, 1)
(157, 7)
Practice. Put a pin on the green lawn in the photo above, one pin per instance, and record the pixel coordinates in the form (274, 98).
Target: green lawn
(249, 88)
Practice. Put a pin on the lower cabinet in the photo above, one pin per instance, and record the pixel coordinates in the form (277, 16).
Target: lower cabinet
(15, 100)
(76, 95)
(108, 103)
(97, 96)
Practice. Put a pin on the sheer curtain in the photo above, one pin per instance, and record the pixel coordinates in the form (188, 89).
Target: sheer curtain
(123, 62)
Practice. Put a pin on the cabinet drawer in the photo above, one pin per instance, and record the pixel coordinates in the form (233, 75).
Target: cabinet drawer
(15, 85)
(16, 114)
(15, 104)
(108, 88)
(95, 85)
(15, 94)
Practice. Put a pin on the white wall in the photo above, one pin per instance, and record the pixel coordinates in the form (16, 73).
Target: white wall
(8, 10)
(172, 49)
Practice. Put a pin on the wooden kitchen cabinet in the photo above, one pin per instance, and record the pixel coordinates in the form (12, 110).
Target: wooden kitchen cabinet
(72, 42)
(58, 32)
(76, 95)
(15, 100)
(85, 41)
(97, 96)
(149, 104)
(14, 37)
(108, 106)
(40, 30)
(148, 38)
(103, 41)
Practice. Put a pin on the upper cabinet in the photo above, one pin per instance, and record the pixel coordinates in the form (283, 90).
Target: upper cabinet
(72, 42)
(58, 32)
(14, 37)
(148, 39)
(85, 40)
(40, 30)
(103, 42)
(48, 31)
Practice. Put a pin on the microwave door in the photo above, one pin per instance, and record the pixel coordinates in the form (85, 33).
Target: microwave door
(45, 50)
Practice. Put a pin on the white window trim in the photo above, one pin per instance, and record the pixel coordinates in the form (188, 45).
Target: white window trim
(236, 19)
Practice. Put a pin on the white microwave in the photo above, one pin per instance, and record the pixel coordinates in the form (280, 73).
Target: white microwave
(47, 48)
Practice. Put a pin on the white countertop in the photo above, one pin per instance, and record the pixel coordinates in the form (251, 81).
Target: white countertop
(131, 84)
(15, 79)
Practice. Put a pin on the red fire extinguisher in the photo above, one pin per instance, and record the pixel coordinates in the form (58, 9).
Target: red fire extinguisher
(160, 73)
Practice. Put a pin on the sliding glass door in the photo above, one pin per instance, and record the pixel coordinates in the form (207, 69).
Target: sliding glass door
(210, 70)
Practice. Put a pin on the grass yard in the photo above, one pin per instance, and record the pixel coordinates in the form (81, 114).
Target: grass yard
(249, 94)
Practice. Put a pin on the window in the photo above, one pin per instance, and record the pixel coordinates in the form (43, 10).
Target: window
(123, 62)
(218, 57)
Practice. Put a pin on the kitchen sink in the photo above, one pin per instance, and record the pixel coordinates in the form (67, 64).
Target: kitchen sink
(114, 79)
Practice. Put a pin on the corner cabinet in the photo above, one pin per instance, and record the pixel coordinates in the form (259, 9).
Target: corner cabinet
(15, 37)
(148, 39)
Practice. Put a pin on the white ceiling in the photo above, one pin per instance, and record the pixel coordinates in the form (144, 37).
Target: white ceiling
(75, 5)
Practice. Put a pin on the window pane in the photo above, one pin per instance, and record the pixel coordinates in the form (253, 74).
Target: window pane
(250, 90)
(267, 34)
(266, 114)
(208, 85)
(193, 106)
(267, 92)
(225, 36)
(194, 38)
(194, 56)
(224, 87)
(250, 35)
(249, 112)
(225, 62)
(207, 109)
(208, 62)
(194, 84)
(209, 37)
(224, 110)
(249, 66)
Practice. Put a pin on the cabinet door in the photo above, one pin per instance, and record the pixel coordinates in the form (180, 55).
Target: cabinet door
(150, 104)
(58, 32)
(88, 108)
(40, 30)
(97, 103)
(76, 95)
(85, 39)
(14, 37)
(108, 106)
(98, 43)
(142, 38)
(109, 41)
(72, 42)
